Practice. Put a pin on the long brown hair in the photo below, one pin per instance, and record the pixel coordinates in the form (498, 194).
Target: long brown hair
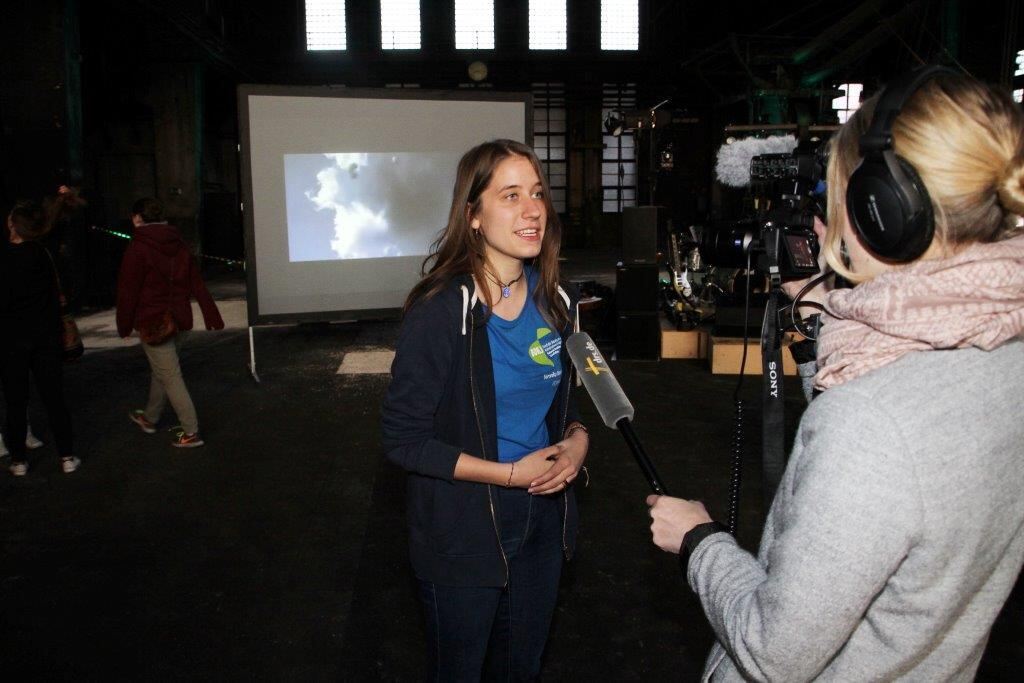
(457, 251)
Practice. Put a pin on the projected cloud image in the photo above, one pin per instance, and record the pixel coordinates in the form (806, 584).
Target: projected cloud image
(366, 205)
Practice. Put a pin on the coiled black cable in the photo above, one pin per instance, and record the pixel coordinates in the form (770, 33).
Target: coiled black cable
(736, 467)
(736, 477)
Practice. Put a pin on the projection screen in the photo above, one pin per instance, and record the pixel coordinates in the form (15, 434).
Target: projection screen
(345, 190)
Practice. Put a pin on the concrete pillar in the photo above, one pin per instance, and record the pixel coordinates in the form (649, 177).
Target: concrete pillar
(33, 99)
(175, 96)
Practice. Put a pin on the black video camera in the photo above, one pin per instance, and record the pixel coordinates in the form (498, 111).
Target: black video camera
(788, 192)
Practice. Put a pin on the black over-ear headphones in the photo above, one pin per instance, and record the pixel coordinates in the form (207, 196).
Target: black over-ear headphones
(886, 201)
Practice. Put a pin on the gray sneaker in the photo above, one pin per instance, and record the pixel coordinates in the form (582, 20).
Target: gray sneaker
(31, 442)
(19, 469)
(69, 465)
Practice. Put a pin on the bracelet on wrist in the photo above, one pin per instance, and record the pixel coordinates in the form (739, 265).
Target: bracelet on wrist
(575, 427)
(508, 484)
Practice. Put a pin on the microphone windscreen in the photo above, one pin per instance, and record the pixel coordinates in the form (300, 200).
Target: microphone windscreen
(604, 389)
(732, 167)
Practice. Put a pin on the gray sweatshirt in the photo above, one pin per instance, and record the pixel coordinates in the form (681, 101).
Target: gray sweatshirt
(895, 537)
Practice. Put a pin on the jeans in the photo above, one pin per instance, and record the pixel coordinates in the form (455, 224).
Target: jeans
(498, 634)
(44, 360)
(168, 383)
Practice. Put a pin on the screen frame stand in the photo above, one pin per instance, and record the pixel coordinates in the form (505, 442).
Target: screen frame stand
(252, 355)
(773, 410)
(512, 116)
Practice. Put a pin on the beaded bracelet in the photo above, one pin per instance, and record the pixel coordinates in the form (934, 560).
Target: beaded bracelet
(573, 428)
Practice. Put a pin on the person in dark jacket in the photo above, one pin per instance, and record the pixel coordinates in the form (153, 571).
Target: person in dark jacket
(481, 416)
(31, 336)
(158, 278)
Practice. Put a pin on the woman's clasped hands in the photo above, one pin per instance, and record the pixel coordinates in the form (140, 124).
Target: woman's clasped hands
(551, 469)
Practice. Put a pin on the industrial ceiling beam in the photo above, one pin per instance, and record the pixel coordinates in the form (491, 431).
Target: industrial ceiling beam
(837, 30)
(214, 45)
(865, 44)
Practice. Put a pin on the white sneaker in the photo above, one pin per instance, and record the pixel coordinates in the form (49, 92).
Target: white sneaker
(31, 442)
(69, 465)
(19, 469)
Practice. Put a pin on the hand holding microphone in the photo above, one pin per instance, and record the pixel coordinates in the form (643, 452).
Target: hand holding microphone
(671, 518)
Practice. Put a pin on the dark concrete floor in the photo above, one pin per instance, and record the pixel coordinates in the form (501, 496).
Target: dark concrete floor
(277, 552)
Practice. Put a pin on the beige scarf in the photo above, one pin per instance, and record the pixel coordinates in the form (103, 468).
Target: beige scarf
(974, 298)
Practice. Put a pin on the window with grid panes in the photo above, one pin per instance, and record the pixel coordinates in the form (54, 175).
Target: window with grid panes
(1018, 93)
(618, 160)
(548, 25)
(474, 24)
(848, 102)
(400, 24)
(549, 138)
(325, 25)
(620, 24)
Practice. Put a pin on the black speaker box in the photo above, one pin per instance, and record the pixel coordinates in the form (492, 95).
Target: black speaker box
(730, 311)
(636, 288)
(638, 336)
(640, 230)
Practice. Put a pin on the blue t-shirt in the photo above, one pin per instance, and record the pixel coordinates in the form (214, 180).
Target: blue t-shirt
(525, 355)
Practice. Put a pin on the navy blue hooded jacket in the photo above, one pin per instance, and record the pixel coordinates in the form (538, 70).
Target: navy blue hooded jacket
(441, 403)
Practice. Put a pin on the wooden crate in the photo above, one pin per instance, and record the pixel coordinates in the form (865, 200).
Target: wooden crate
(725, 354)
(678, 344)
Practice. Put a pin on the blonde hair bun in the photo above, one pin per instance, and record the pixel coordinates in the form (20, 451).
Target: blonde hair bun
(1011, 187)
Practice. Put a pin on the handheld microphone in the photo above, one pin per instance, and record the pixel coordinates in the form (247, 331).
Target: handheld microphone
(615, 409)
(732, 166)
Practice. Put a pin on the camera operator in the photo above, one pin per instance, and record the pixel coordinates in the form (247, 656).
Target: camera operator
(898, 530)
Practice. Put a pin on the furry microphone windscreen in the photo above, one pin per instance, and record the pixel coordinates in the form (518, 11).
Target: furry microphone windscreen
(733, 165)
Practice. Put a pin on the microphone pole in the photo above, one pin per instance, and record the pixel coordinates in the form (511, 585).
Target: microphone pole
(646, 466)
(609, 399)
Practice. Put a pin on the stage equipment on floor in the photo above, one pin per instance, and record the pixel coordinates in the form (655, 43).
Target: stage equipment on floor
(636, 288)
(638, 335)
(641, 227)
(687, 299)
(637, 324)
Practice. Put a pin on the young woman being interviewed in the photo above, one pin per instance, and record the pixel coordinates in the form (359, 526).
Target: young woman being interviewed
(897, 531)
(480, 414)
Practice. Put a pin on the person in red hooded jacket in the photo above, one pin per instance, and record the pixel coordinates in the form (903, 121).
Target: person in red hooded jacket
(158, 279)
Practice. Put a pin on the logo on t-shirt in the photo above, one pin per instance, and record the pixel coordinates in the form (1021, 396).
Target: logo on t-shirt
(546, 347)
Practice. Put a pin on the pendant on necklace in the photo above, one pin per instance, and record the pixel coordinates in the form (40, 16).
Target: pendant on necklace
(506, 287)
